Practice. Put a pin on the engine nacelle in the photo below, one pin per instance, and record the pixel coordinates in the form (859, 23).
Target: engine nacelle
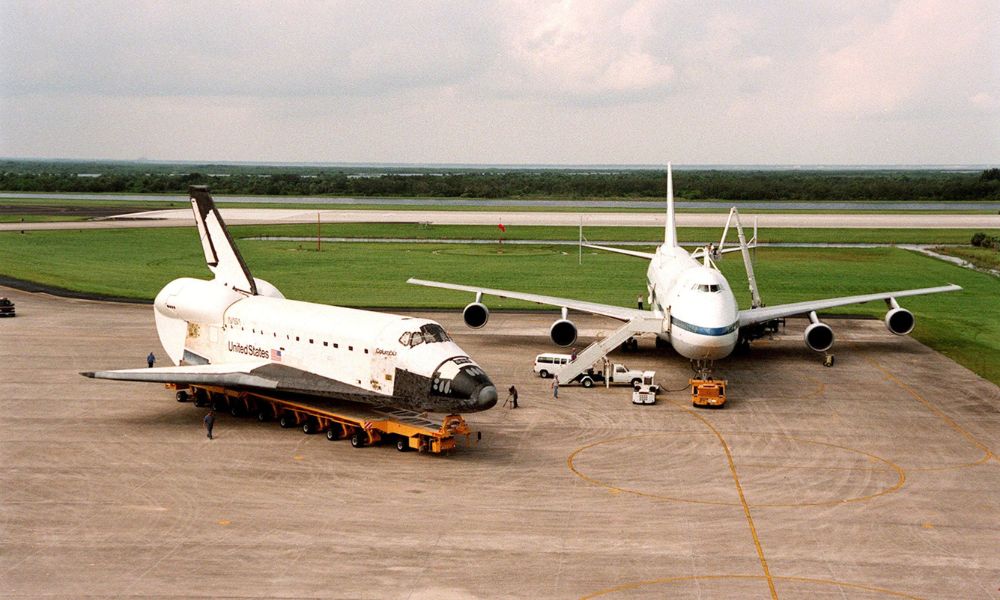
(900, 321)
(818, 336)
(476, 315)
(563, 332)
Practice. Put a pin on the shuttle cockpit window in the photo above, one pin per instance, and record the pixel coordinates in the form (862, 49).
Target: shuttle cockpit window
(434, 333)
(704, 287)
(429, 334)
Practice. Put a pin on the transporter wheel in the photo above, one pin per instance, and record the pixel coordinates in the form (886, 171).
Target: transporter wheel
(333, 432)
(218, 402)
(309, 427)
(286, 421)
(263, 415)
(359, 438)
(402, 444)
(543, 374)
(587, 382)
(182, 396)
(200, 398)
(235, 409)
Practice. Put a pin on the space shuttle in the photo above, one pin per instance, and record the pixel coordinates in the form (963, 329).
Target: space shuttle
(241, 333)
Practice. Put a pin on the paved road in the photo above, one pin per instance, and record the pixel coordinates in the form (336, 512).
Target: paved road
(241, 216)
(698, 204)
(873, 479)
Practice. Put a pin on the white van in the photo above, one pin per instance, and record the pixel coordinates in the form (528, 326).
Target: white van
(546, 365)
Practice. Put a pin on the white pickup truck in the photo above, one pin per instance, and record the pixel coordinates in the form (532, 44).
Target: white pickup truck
(547, 365)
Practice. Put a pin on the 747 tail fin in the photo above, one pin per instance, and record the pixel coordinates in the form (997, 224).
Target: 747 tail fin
(221, 254)
(670, 230)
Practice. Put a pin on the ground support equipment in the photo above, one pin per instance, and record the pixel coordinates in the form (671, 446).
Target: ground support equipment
(362, 424)
(708, 393)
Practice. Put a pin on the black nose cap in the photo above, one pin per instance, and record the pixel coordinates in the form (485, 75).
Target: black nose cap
(485, 398)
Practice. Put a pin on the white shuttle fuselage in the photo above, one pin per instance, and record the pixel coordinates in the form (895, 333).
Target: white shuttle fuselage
(240, 332)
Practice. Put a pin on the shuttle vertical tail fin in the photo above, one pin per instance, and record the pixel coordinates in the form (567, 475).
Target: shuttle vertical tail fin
(670, 230)
(221, 254)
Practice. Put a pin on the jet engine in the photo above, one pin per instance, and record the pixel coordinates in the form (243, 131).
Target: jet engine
(476, 315)
(899, 320)
(818, 336)
(563, 332)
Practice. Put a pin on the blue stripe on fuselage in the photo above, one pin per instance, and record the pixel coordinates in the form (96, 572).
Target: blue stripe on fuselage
(714, 331)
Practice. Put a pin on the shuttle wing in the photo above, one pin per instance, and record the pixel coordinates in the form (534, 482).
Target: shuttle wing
(260, 375)
(615, 312)
(757, 315)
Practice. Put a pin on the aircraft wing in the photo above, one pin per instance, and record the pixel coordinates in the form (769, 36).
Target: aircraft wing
(258, 375)
(757, 315)
(616, 312)
(635, 253)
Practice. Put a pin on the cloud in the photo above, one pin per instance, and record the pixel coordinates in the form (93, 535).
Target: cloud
(581, 51)
(255, 49)
(923, 50)
(607, 81)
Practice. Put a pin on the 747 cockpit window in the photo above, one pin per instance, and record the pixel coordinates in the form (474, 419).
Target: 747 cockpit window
(430, 334)
(707, 287)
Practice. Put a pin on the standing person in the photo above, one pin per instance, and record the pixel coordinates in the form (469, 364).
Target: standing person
(555, 387)
(150, 360)
(638, 301)
(209, 422)
(513, 396)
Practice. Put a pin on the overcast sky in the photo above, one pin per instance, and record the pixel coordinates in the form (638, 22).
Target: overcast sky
(572, 82)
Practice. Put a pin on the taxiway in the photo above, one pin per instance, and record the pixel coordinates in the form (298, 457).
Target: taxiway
(872, 479)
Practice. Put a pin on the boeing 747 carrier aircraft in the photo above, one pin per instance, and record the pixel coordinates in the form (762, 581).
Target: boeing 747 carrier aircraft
(240, 333)
(692, 307)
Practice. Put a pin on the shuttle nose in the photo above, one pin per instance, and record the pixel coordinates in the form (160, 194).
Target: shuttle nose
(486, 397)
(460, 385)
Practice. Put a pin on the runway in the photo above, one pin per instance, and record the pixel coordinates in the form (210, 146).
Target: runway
(876, 478)
(258, 216)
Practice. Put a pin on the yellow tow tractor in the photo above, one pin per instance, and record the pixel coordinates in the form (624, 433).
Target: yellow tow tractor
(708, 393)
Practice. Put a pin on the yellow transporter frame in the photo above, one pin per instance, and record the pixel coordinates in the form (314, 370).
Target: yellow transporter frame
(410, 429)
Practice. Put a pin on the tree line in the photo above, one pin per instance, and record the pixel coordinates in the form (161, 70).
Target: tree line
(801, 185)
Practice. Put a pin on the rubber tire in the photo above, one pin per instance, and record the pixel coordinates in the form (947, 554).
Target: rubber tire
(200, 398)
(403, 444)
(636, 382)
(263, 416)
(236, 410)
(358, 439)
(181, 396)
(587, 382)
(333, 432)
(286, 421)
(543, 374)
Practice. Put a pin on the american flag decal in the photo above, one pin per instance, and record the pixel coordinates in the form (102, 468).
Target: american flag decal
(275, 355)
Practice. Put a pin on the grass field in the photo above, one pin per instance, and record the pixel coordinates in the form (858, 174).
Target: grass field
(137, 263)
(654, 235)
(985, 258)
